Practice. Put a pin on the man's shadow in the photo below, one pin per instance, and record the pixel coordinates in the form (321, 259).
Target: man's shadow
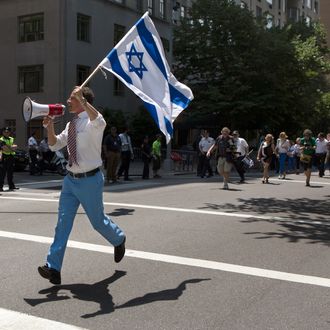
(97, 292)
(169, 294)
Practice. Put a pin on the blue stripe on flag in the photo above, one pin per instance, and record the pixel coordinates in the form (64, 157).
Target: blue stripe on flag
(178, 98)
(150, 45)
(116, 66)
(169, 126)
(153, 112)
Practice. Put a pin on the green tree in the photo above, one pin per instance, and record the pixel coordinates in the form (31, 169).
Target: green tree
(244, 75)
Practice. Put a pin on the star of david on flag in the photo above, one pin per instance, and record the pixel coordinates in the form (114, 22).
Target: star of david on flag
(133, 66)
(139, 61)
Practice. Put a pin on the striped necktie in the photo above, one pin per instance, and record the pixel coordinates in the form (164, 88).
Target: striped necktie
(72, 141)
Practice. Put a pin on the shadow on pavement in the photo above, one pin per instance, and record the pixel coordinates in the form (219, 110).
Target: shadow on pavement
(169, 294)
(99, 293)
(304, 218)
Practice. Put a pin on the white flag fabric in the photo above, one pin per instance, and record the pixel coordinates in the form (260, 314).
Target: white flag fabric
(138, 60)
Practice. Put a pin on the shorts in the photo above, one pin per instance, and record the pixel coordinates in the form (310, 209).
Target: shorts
(307, 166)
(223, 165)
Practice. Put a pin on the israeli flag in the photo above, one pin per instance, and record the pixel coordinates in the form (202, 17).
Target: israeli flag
(138, 60)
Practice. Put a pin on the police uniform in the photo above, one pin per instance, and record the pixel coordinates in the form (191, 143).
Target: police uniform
(7, 161)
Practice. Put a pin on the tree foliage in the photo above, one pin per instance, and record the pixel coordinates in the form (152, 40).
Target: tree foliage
(246, 76)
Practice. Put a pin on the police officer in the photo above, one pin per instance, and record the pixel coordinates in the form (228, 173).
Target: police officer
(7, 163)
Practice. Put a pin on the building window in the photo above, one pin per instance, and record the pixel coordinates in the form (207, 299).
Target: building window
(30, 79)
(316, 7)
(118, 33)
(83, 27)
(151, 7)
(258, 12)
(270, 21)
(183, 11)
(139, 5)
(31, 28)
(118, 87)
(309, 3)
(83, 72)
(162, 9)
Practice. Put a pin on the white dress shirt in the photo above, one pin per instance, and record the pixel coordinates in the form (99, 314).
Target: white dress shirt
(241, 146)
(32, 143)
(321, 146)
(205, 144)
(89, 141)
(126, 144)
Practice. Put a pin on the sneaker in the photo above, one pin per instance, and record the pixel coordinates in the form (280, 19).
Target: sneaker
(280, 176)
(50, 274)
(120, 251)
(225, 186)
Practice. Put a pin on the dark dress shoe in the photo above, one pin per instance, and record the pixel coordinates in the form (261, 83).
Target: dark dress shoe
(51, 274)
(120, 251)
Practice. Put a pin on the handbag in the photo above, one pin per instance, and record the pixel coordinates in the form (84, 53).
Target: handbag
(305, 158)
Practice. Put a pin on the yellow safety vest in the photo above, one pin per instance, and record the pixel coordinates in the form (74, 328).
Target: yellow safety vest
(8, 142)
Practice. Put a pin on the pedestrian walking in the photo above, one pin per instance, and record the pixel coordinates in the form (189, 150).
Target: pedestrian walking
(308, 146)
(111, 149)
(127, 154)
(265, 155)
(33, 153)
(296, 155)
(321, 153)
(327, 159)
(225, 150)
(281, 150)
(84, 182)
(242, 149)
(146, 157)
(204, 145)
(8, 148)
(157, 155)
(200, 158)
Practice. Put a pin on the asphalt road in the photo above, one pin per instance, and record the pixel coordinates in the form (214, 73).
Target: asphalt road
(198, 257)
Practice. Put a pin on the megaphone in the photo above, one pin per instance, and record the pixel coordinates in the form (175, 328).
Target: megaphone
(31, 109)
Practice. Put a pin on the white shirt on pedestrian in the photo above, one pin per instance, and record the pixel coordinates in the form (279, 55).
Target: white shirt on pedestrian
(32, 143)
(241, 146)
(282, 146)
(321, 146)
(205, 143)
(89, 142)
(126, 144)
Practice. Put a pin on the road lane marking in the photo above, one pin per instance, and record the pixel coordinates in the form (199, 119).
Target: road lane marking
(200, 263)
(298, 181)
(10, 320)
(175, 209)
(155, 207)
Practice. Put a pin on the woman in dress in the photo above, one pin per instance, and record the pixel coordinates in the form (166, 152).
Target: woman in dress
(265, 155)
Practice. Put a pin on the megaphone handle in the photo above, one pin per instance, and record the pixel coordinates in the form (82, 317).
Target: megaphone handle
(51, 117)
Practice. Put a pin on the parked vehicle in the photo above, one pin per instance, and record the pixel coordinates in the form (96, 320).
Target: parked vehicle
(57, 163)
(21, 160)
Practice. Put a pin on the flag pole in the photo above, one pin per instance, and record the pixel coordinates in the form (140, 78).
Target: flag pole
(90, 76)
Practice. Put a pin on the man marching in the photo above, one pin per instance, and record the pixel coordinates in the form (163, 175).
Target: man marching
(84, 181)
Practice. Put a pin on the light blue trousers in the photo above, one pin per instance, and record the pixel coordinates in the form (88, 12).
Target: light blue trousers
(89, 193)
